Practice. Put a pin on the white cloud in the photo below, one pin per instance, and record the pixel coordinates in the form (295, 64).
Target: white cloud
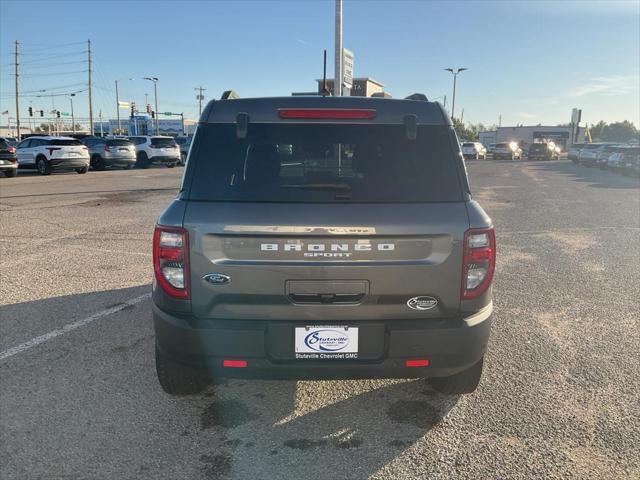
(612, 85)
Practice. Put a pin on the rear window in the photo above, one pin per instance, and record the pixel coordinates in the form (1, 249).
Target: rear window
(323, 163)
(63, 142)
(502, 145)
(119, 143)
(467, 144)
(163, 142)
(3, 144)
(538, 147)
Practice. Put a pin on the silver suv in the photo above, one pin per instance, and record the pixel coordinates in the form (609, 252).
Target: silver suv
(110, 152)
(323, 237)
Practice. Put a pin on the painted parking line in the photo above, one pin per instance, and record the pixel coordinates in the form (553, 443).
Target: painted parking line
(71, 326)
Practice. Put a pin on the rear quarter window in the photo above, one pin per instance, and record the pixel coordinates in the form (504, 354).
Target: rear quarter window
(291, 163)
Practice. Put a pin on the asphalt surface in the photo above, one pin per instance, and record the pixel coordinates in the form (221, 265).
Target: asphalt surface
(559, 397)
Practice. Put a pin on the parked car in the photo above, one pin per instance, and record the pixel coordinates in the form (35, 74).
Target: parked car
(48, 154)
(156, 150)
(184, 143)
(629, 163)
(110, 152)
(542, 151)
(8, 159)
(573, 153)
(11, 141)
(474, 150)
(491, 148)
(507, 150)
(602, 157)
(589, 153)
(345, 247)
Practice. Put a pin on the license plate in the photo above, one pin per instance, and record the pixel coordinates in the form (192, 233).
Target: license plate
(330, 342)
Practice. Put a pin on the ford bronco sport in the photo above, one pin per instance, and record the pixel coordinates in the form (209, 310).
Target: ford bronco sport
(323, 237)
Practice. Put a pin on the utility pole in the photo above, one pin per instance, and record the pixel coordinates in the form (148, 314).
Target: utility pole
(90, 98)
(337, 82)
(200, 98)
(182, 123)
(155, 95)
(17, 96)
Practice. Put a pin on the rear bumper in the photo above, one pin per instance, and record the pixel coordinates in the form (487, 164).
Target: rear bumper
(120, 160)
(268, 346)
(164, 160)
(57, 163)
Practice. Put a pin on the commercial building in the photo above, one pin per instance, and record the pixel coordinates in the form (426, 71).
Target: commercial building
(144, 125)
(527, 135)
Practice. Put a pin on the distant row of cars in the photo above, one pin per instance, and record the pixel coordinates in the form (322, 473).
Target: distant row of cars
(48, 153)
(510, 151)
(622, 158)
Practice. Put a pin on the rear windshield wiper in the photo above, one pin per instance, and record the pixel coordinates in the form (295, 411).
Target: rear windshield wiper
(321, 187)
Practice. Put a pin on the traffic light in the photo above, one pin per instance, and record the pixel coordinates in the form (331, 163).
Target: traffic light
(31, 111)
(58, 113)
(153, 114)
(42, 113)
(133, 108)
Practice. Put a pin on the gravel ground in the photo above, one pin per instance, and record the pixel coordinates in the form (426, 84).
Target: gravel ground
(559, 397)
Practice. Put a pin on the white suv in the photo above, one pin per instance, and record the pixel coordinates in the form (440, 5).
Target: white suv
(160, 150)
(474, 150)
(47, 154)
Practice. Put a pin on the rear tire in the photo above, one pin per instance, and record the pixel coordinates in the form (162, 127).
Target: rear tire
(82, 170)
(171, 165)
(142, 160)
(464, 382)
(98, 163)
(11, 173)
(43, 166)
(177, 379)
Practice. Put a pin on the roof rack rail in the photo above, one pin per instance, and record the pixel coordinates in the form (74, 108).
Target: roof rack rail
(229, 95)
(417, 96)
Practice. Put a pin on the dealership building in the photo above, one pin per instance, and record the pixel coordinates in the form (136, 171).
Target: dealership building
(527, 135)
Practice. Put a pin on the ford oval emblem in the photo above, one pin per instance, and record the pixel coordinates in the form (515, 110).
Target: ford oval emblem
(217, 278)
(422, 303)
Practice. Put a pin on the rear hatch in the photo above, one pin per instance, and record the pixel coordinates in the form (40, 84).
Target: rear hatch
(324, 222)
(164, 146)
(120, 147)
(66, 148)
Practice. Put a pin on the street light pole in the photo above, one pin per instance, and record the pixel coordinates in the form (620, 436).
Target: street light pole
(455, 76)
(73, 118)
(155, 96)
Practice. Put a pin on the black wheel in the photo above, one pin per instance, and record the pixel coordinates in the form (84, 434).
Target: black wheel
(98, 163)
(177, 379)
(142, 160)
(130, 166)
(82, 170)
(12, 172)
(171, 165)
(43, 166)
(183, 158)
(464, 382)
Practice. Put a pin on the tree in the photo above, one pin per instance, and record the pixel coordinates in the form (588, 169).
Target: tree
(624, 131)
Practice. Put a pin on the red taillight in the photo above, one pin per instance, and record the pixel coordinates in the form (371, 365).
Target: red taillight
(422, 362)
(479, 262)
(171, 260)
(327, 113)
(11, 149)
(234, 363)
(84, 147)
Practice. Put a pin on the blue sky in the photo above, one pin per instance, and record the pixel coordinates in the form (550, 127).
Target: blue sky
(530, 62)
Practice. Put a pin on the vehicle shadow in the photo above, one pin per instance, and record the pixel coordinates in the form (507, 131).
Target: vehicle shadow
(593, 176)
(344, 429)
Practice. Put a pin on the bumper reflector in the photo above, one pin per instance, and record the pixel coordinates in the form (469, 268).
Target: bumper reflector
(423, 362)
(234, 363)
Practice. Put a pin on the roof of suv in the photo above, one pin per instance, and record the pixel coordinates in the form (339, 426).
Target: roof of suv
(51, 137)
(265, 110)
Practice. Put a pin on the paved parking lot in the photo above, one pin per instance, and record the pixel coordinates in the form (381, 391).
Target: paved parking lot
(559, 398)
